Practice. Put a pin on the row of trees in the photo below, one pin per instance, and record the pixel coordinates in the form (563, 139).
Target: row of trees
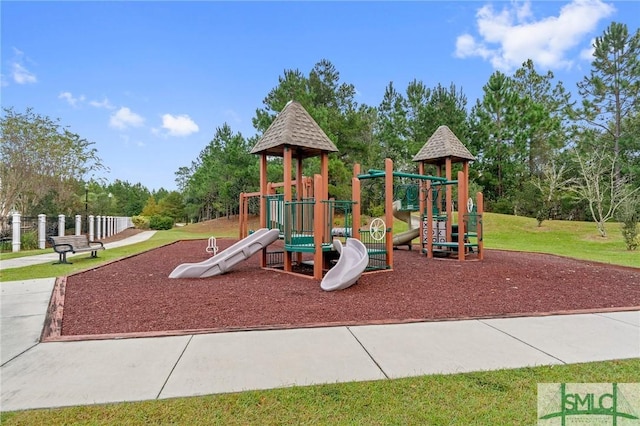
(539, 151)
(44, 166)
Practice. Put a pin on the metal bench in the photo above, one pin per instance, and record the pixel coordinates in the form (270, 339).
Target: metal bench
(74, 244)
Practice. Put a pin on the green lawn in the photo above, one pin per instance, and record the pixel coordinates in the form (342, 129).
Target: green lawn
(84, 261)
(506, 397)
(573, 239)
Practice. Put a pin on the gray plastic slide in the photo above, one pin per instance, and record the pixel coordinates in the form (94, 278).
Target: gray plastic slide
(404, 238)
(353, 260)
(226, 259)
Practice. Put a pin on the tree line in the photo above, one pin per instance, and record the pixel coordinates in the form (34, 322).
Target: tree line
(540, 151)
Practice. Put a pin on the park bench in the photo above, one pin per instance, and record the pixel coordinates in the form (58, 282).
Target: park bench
(74, 244)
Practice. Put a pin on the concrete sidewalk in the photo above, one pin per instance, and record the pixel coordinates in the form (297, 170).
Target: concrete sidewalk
(53, 256)
(39, 375)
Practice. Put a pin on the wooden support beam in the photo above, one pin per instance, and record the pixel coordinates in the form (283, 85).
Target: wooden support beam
(318, 227)
(288, 264)
(423, 192)
(448, 199)
(461, 210)
(355, 214)
(388, 208)
(480, 212)
(263, 204)
(430, 233)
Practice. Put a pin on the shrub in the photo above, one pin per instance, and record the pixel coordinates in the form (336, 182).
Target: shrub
(376, 211)
(630, 231)
(29, 240)
(631, 235)
(629, 215)
(140, 222)
(503, 206)
(160, 222)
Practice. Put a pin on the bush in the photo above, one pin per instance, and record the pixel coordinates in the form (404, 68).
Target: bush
(503, 206)
(29, 240)
(631, 235)
(376, 211)
(628, 215)
(140, 222)
(161, 222)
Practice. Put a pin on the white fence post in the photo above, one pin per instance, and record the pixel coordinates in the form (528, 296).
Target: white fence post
(15, 237)
(98, 228)
(42, 231)
(61, 225)
(91, 235)
(78, 224)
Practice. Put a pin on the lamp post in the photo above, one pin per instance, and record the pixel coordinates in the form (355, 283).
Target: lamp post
(86, 206)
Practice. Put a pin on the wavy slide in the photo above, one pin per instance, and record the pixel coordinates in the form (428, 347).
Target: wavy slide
(404, 238)
(353, 260)
(226, 259)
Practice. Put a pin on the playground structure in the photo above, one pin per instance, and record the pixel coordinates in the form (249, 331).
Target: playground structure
(303, 216)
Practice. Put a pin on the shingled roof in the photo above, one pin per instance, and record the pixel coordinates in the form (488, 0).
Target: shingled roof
(442, 144)
(294, 127)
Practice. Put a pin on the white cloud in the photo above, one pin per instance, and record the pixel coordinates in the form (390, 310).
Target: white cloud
(21, 75)
(71, 100)
(124, 118)
(102, 104)
(19, 72)
(179, 125)
(587, 54)
(509, 37)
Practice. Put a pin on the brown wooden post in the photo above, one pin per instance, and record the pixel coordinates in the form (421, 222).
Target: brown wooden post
(429, 221)
(324, 169)
(300, 208)
(287, 174)
(263, 191)
(448, 199)
(421, 202)
(480, 211)
(318, 227)
(465, 169)
(388, 208)
(263, 203)
(324, 194)
(287, 197)
(299, 183)
(241, 218)
(355, 216)
(357, 198)
(461, 228)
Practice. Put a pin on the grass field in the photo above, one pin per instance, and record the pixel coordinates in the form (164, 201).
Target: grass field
(506, 397)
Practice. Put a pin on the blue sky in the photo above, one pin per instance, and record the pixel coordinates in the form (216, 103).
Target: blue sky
(149, 82)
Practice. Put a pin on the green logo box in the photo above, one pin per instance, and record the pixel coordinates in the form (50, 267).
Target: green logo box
(566, 404)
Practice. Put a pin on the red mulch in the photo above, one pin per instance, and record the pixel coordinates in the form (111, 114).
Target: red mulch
(135, 295)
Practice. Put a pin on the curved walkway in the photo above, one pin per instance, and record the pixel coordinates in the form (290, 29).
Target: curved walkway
(19, 262)
(41, 375)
